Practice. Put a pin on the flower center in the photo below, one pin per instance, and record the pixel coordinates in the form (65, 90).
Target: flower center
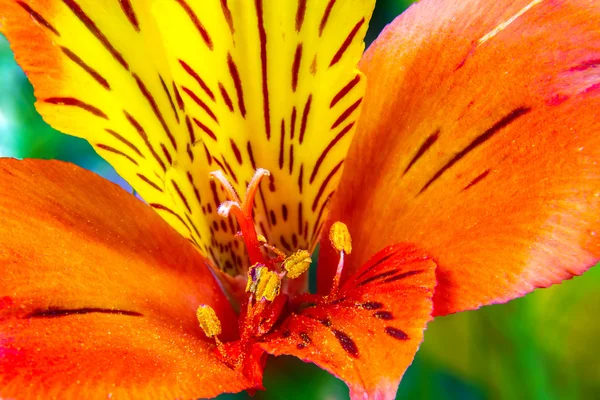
(267, 298)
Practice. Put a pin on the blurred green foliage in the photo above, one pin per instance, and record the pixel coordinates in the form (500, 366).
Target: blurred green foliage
(540, 347)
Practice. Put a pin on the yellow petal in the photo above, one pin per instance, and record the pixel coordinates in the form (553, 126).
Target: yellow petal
(169, 90)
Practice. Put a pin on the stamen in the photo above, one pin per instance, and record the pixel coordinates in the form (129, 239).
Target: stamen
(209, 322)
(340, 237)
(278, 254)
(262, 283)
(268, 286)
(254, 274)
(297, 264)
(342, 241)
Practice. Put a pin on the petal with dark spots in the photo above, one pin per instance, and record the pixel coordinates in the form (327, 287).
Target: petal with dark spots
(368, 334)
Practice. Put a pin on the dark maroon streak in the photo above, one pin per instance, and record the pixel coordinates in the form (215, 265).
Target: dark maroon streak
(371, 305)
(346, 342)
(251, 155)
(150, 99)
(149, 182)
(324, 184)
(236, 152)
(91, 26)
(263, 61)
(38, 18)
(90, 71)
(203, 32)
(338, 56)
(173, 213)
(301, 178)
(130, 14)
(346, 113)
(227, 15)
(235, 76)
(64, 312)
(198, 79)
(478, 179)
(70, 101)
(140, 130)
(403, 275)
(326, 15)
(226, 97)
(396, 333)
(166, 89)
(300, 12)
(386, 315)
(125, 142)
(166, 153)
(479, 140)
(344, 91)
(199, 102)
(304, 122)
(296, 66)
(377, 263)
(118, 152)
(181, 196)
(431, 139)
(325, 152)
(281, 144)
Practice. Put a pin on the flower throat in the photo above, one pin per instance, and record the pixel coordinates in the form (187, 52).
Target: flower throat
(266, 303)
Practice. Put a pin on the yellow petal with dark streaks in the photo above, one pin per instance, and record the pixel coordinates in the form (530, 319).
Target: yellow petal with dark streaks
(274, 85)
(169, 90)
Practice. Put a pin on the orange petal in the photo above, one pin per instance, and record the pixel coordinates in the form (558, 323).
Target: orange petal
(370, 333)
(479, 142)
(98, 295)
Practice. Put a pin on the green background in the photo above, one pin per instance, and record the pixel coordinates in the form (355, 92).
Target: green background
(542, 346)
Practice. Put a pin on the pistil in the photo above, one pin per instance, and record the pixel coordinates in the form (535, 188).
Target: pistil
(270, 266)
(210, 324)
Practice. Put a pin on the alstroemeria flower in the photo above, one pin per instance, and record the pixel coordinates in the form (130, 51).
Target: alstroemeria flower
(474, 166)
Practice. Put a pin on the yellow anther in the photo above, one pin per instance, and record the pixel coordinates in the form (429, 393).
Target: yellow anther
(208, 320)
(263, 283)
(297, 264)
(261, 239)
(254, 274)
(269, 285)
(340, 237)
